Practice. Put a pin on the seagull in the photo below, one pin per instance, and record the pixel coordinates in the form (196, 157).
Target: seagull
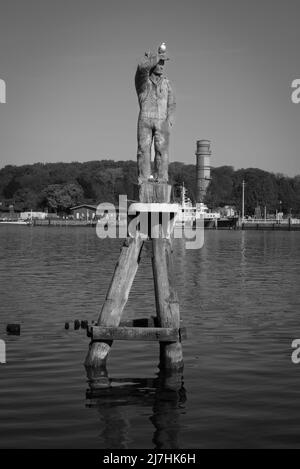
(162, 47)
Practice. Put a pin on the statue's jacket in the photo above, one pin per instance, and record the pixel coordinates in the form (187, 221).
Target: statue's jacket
(155, 94)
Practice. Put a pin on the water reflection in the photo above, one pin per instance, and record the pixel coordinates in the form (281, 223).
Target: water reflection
(165, 395)
(243, 263)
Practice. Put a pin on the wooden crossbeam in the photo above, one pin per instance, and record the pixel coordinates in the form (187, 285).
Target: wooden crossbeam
(134, 322)
(161, 334)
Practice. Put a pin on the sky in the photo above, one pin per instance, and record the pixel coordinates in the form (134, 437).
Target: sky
(69, 69)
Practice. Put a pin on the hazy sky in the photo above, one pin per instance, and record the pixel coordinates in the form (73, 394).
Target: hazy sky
(69, 68)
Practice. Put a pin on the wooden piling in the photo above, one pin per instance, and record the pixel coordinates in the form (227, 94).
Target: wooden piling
(116, 298)
(167, 306)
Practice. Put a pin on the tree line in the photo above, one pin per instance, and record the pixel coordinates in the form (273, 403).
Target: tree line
(59, 186)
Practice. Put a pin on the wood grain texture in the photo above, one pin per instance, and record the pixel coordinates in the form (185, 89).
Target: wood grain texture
(162, 334)
(154, 192)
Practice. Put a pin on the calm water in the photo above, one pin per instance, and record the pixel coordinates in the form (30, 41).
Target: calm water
(240, 302)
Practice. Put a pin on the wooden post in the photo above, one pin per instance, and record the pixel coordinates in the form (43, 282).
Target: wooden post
(167, 306)
(116, 299)
(153, 192)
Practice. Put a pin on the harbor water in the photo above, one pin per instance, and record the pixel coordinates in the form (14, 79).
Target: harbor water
(240, 302)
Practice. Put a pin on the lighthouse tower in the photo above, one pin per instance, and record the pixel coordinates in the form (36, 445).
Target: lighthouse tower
(203, 155)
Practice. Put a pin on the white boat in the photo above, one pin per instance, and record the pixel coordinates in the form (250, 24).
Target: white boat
(202, 211)
(188, 214)
(186, 211)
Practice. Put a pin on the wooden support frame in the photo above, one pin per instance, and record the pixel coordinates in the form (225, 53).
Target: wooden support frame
(152, 196)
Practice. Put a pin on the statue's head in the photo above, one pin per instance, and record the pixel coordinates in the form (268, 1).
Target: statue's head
(159, 68)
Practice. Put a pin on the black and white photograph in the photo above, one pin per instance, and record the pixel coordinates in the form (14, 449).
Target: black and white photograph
(149, 227)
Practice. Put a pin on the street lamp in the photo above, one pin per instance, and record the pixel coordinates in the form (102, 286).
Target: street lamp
(243, 201)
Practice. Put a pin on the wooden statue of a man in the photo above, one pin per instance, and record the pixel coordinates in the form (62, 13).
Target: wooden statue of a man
(156, 117)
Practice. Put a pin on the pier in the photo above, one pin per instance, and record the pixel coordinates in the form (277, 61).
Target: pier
(270, 224)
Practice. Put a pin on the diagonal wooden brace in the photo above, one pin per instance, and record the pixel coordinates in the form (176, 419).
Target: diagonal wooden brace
(116, 298)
